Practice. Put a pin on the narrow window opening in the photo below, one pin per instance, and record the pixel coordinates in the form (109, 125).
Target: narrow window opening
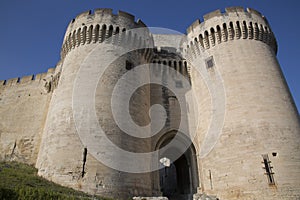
(210, 62)
(103, 32)
(201, 40)
(110, 30)
(117, 30)
(180, 67)
(191, 43)
(129, 65)
(268, 168)
(225, 36)
(97, 28)
(4, 83)
(175, 65)
(18, 81)
(73, 39)
(210, 179)
(185, 68)
(78, 36)
(90, 33)
(84, 161)
(213, 36)
(206, 34)
(219, 34)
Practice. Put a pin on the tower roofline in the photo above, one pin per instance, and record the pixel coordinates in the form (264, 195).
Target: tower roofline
(229, 12)
(99, 15)
(234, 24)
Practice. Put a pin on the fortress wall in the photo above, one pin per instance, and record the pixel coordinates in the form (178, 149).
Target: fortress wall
(23, 109)
(61, 154)
(260, 117)
(125, 184)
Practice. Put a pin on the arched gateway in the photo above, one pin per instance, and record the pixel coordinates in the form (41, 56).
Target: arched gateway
(178, 177)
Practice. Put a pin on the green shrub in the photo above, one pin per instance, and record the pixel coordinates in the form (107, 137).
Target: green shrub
(20, 182)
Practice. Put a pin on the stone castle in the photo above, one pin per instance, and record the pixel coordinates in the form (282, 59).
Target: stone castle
(246, 141)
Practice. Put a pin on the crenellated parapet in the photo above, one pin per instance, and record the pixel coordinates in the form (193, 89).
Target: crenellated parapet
(234, 24)
(103, 26)
(46, 79)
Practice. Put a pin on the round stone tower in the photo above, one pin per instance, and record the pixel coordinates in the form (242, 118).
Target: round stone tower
(99, 43)
(248, 132)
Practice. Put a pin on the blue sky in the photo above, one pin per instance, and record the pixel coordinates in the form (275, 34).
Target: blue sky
(32, 31)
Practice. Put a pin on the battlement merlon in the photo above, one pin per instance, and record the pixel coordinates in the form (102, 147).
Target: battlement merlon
(104, 16)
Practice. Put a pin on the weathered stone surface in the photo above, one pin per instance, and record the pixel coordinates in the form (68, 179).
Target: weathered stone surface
(150, 198)
(204, 197)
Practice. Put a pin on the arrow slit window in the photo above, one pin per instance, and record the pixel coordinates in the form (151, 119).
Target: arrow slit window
(267, 166)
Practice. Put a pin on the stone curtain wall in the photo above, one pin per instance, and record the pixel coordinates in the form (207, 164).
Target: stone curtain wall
(23, 109)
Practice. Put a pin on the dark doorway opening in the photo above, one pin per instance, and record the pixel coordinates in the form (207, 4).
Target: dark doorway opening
(175, 180)
(178, 178)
